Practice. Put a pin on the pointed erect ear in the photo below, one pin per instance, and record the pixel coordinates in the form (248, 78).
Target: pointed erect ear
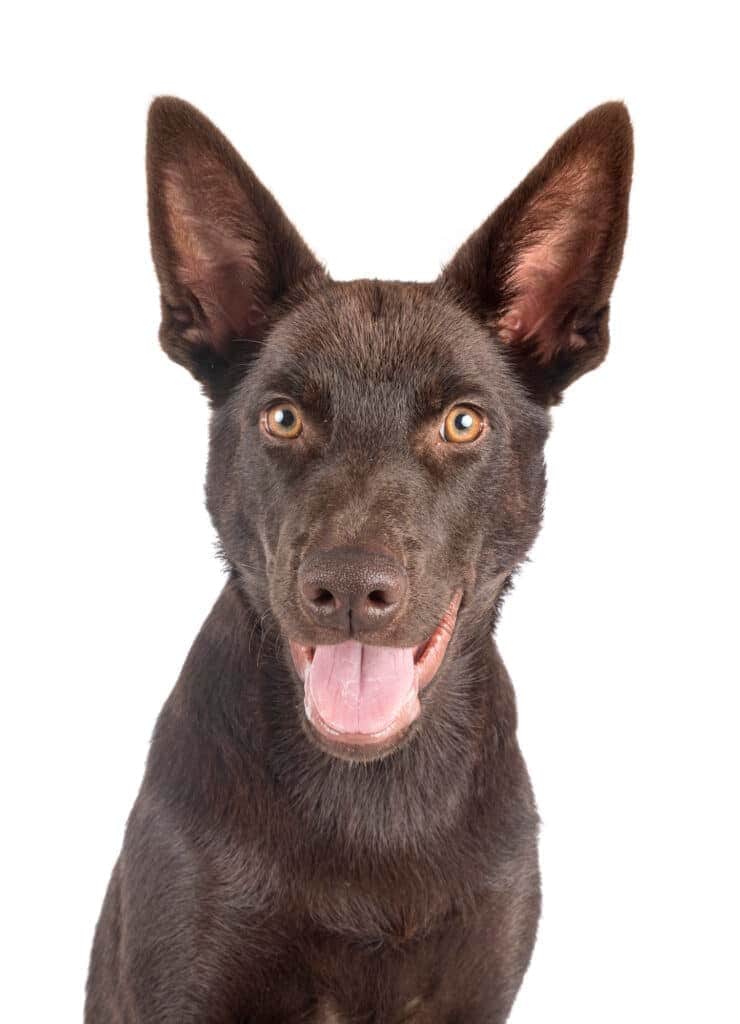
(226, 255)
(540, 270)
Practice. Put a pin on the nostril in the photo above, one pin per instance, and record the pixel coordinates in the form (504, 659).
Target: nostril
(319, 597)
(380, 598)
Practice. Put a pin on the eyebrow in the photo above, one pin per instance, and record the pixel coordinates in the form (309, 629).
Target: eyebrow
(443, 390)
(292, 382)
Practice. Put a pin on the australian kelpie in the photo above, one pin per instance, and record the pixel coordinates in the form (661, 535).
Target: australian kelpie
(336, 823)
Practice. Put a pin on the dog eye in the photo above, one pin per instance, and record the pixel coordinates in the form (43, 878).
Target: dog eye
(283, 420)
(462, 425)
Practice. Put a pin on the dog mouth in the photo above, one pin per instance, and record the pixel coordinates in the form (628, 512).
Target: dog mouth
(366, 696)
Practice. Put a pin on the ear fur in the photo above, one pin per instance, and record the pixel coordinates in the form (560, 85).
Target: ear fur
(225, 253)
(540, 270)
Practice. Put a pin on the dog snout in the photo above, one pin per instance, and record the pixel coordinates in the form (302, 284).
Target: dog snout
(352, 589)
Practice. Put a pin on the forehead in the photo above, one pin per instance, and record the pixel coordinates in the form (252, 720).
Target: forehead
(406, 340)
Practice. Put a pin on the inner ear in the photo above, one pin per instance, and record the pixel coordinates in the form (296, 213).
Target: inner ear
(560, 234)
(215, 260)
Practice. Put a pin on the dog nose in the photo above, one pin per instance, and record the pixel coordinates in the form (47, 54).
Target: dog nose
(352, 589)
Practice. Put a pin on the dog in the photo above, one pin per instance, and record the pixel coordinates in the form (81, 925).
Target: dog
(336, 823)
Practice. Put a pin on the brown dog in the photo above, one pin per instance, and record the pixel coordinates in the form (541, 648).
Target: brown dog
(336, 823)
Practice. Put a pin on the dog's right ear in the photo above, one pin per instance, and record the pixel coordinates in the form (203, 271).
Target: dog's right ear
(226, 256)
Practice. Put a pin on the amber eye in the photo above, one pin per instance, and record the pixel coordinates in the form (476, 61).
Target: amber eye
(462, 425)
(283, 420)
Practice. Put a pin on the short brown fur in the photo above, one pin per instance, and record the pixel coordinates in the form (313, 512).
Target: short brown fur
(263, 879)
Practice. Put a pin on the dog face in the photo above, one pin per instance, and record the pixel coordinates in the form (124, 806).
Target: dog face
(376, 470)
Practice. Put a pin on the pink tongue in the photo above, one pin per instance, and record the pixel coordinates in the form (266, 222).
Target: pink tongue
(360, 689)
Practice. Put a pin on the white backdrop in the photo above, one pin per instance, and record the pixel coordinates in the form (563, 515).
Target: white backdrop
(387, 133)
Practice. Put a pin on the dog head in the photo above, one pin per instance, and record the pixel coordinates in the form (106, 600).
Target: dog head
(376, 468)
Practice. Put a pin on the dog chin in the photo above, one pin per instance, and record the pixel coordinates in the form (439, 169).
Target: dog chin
(350, 710)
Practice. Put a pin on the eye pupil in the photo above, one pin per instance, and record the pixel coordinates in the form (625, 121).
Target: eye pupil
(463, 422)
(285, 418)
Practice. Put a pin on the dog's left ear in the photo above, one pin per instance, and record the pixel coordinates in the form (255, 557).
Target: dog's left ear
(540, 270)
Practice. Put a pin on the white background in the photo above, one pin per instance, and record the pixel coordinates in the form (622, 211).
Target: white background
(388, 134)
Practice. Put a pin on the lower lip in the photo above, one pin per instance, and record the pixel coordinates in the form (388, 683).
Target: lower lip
(427, 660)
